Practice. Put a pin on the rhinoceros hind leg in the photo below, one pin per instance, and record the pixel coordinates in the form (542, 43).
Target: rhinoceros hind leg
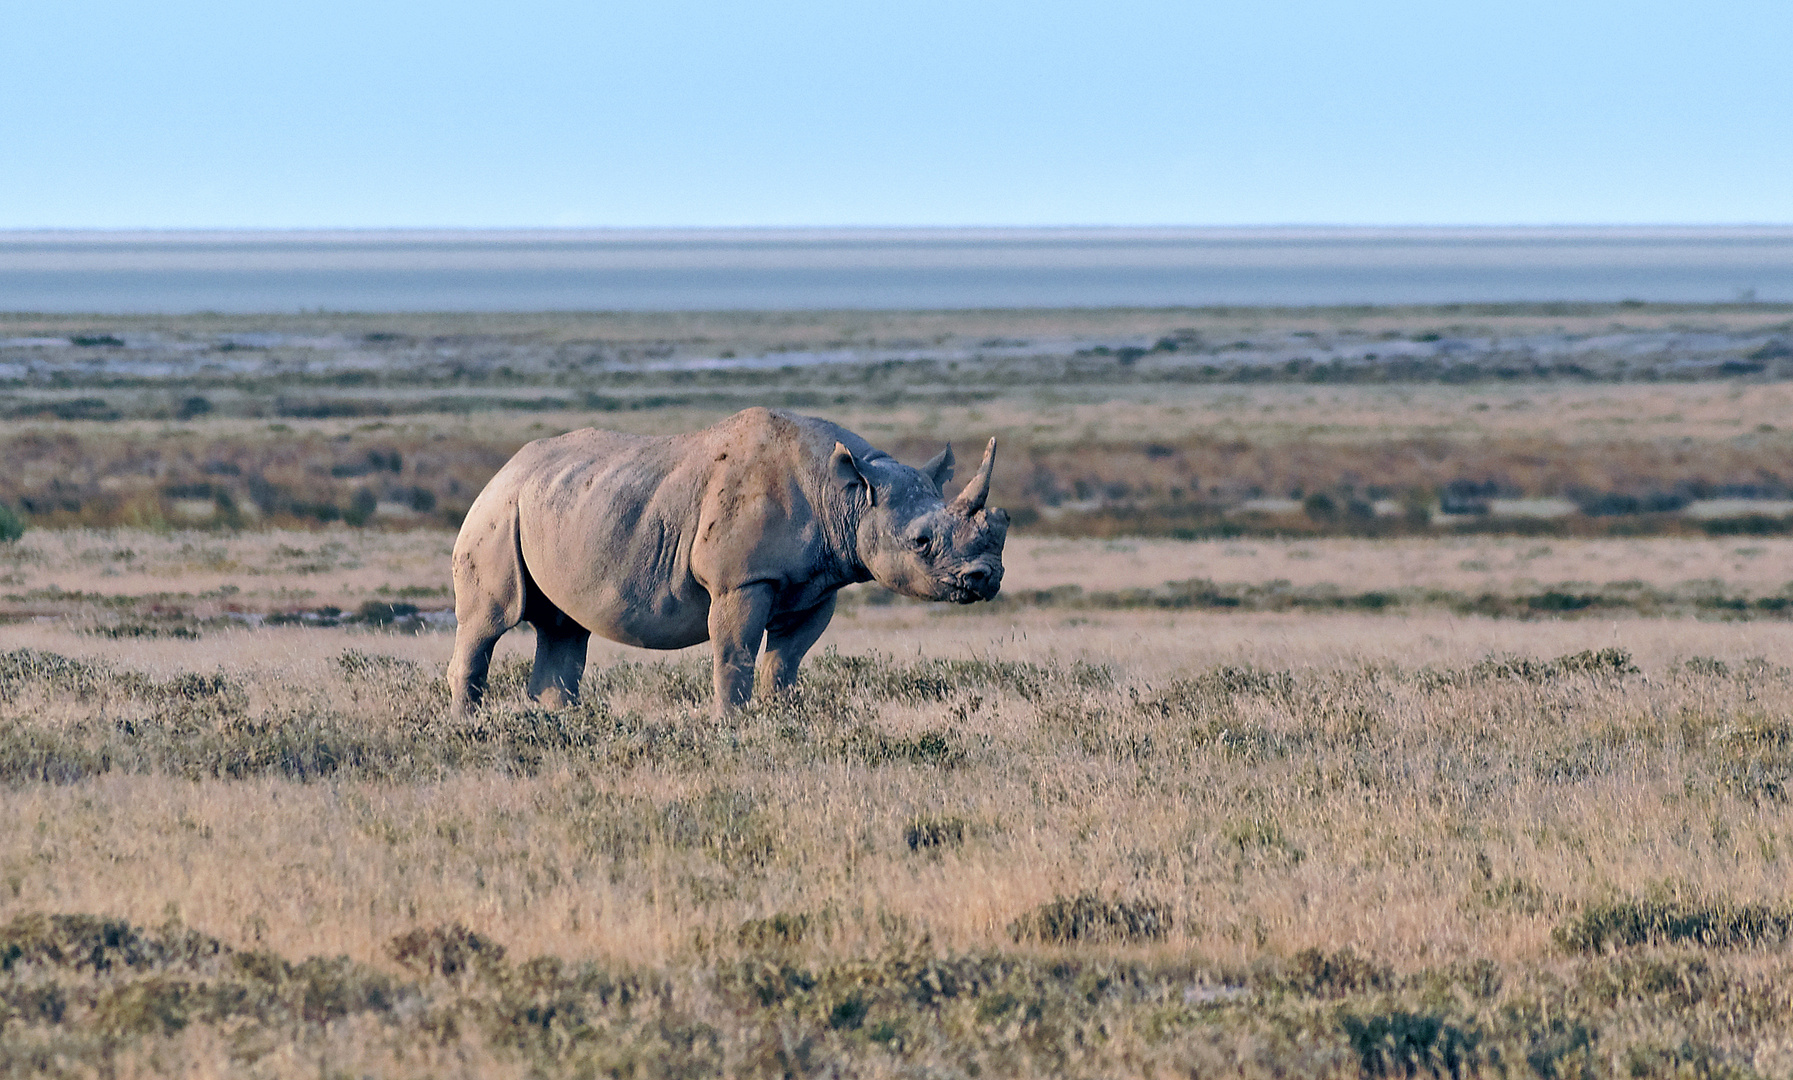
(473, 642)
(789, 637)
(489, 594)
(559, 661)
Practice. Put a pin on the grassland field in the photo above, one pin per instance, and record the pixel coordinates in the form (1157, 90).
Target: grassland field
(1285, 802)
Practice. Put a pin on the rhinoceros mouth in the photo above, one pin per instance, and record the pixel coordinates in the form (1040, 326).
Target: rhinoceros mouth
(960, 593)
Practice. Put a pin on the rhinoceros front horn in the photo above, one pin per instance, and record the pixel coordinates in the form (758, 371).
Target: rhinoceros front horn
(971, 500)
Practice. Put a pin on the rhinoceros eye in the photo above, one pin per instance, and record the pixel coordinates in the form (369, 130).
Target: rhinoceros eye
(921, 541)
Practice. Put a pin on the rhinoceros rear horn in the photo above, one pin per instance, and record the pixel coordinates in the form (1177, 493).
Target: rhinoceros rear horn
(971, 500)
(939, 469)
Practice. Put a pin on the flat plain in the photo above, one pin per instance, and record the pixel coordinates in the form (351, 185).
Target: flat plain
(1442, 803)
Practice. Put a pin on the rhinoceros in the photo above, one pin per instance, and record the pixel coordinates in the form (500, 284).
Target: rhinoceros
(746, 529)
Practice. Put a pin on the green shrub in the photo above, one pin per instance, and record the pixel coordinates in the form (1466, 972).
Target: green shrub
(12, 526)
(1399, 1043)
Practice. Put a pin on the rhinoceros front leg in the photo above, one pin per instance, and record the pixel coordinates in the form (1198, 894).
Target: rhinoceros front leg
(790, 637)
(737, 624)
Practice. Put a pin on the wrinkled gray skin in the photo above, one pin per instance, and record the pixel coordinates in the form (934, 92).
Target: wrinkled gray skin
(740, 531)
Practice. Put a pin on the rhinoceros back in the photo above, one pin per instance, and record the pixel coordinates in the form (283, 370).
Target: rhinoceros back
(628, 534)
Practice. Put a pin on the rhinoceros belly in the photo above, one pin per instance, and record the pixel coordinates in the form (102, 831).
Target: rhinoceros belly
(650, 621)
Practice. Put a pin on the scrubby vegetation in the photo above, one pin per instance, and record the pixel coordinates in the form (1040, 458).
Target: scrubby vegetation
(99, 990)
(1168, 423)
(1055, 478)
(1568, 866)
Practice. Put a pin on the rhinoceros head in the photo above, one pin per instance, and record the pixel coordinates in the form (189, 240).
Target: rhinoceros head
(912, 540)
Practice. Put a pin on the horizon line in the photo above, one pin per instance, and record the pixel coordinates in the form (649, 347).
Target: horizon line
(98, 231)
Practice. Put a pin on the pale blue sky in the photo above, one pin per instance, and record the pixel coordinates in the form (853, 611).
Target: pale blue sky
(692, 112)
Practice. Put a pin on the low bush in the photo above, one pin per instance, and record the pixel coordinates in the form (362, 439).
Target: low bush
(1089, 918)
(1718, 924)
(444, 950)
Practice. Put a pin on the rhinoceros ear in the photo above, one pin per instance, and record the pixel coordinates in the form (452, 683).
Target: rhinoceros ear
(847, 472)
(940, 469)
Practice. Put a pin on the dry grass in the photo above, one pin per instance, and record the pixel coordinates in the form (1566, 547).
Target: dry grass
(1252, 844)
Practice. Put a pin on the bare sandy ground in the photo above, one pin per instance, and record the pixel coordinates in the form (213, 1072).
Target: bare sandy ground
(274, 571)
(1471, 564)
